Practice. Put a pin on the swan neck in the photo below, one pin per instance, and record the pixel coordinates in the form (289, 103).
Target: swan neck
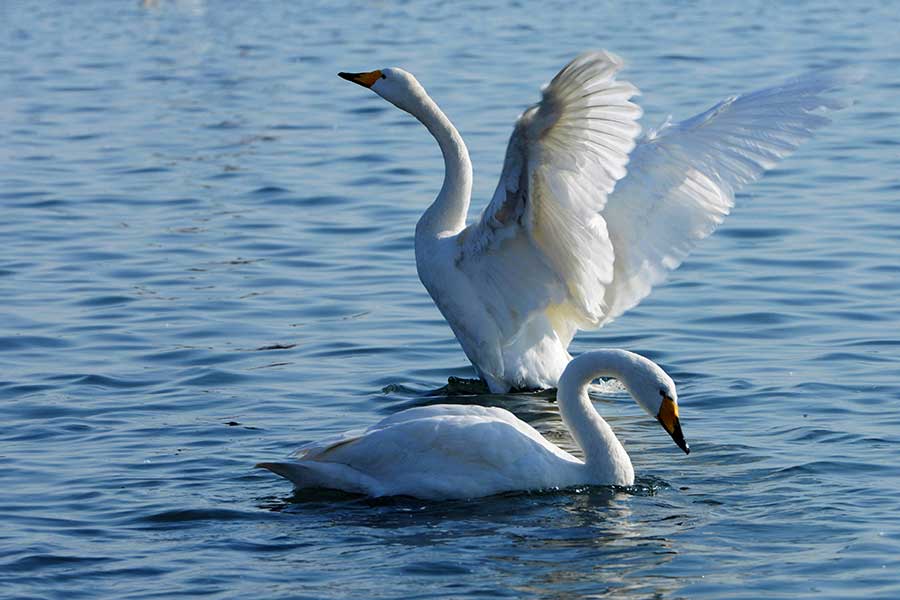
(603, 453)
(447, 214)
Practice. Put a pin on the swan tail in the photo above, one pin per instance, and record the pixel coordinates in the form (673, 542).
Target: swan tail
(313, 474)
(301, 475)
(286, 470)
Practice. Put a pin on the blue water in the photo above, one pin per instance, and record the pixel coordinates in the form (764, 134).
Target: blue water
(206, 258)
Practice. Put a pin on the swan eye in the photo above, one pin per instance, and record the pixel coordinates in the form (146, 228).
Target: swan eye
(383, 76)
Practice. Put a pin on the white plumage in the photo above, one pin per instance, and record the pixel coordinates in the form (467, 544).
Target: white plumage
(454, 451)
(586, 218)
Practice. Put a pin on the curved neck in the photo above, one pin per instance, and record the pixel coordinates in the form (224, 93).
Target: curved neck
(603, 453)
(447, 214)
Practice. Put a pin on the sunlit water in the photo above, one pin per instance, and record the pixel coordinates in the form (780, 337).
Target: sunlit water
(207, 260)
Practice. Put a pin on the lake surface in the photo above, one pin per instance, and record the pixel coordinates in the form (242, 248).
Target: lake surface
(206, 259)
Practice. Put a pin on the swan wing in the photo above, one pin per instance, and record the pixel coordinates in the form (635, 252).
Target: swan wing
(682, 178)
(319, 448)
(451, 451)
(542, 244)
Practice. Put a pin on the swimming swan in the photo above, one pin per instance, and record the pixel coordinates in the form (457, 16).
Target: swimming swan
(569, 241)
(455, 451)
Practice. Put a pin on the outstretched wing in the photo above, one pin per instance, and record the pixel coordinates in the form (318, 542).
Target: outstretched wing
(542, 245)
(682, 178)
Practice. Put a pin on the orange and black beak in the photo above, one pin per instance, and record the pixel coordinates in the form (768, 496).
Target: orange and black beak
(363, 79)
(668, 418)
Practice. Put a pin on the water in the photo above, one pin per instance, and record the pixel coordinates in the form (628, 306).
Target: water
(207, 260)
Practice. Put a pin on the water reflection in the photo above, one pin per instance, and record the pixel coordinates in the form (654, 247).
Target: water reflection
(593, 547)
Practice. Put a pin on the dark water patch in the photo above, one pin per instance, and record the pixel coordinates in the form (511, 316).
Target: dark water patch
(24, 342)
(888, 343)
(746, 233)
(158, 78)
(10, 391)
(95, 256)
(20, 194)
(354, 350)
(371, 158)
(228, 172)
(403, 172)
(187, 516)
(280, 547)
(270, 190)
(133, 274)
(313, 201)
(73, 89)
(854, 357)
(369, 109)
(144, 171)
(38, 158)
(371, 180)
(124, 573)
(213, 377)
(754, 318)
(857, 315)
(683, 58)
(226, 124)
(276, 347)
(796, 263)
(38, 562)
(823, 435)
(300, 127)
(439, 568)
(189, 357)
(347, 230)
(103, 301)
(102, 381)
(881, 286)
(83, 137)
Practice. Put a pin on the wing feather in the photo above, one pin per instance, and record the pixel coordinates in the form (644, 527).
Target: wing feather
(683, 177)
(448, 449)
(543, 228)
(585, 220)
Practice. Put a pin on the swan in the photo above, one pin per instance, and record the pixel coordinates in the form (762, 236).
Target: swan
(587, 217)
(452, 451)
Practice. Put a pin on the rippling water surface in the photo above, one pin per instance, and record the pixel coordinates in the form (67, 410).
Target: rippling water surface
(206, 259)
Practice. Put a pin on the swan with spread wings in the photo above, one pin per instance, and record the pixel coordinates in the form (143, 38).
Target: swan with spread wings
(587, 216)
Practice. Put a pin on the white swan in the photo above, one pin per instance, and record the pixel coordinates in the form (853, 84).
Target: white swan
(454, 451)
(569, 241)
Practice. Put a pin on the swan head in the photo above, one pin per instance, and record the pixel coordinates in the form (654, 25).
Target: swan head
(646, 382)
(395, 85)
(655, 392)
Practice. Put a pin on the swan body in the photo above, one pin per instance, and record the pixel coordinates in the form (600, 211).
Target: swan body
(454, 451)
(587, 216)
